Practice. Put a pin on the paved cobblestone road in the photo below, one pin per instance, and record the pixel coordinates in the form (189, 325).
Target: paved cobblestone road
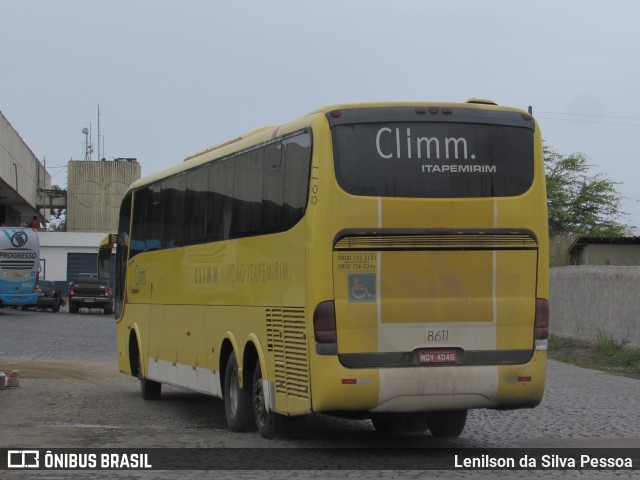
(71, 395)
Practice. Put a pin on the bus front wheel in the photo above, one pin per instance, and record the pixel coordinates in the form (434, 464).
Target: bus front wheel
(149, 389)
(237, 401)
(270, 424)
(447, 424)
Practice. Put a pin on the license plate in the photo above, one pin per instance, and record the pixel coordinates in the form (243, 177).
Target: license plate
(437, 356)
(89, 300)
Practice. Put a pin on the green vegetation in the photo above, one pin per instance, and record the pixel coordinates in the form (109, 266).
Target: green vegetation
(605, 354)
(581, 203)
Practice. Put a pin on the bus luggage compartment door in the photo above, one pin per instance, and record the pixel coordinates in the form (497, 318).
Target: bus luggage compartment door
(473, 292)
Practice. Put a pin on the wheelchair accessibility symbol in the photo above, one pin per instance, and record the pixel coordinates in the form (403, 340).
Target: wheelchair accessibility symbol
(362, 287)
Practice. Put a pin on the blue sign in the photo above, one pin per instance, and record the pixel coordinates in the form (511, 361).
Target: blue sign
(362, 287)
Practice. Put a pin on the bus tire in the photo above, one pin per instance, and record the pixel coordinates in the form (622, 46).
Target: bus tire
(270, 424)
(447, 424)
(416, 423)
(237, 401)
(149, 389)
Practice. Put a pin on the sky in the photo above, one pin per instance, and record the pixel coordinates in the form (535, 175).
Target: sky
(172, 78)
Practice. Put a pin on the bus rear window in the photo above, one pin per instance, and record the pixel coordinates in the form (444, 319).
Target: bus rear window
(433, 160)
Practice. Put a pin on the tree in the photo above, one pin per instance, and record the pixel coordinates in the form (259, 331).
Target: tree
(58, 220)
(579, 202)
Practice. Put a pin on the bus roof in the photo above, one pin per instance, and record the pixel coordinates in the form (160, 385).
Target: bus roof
(264, 134)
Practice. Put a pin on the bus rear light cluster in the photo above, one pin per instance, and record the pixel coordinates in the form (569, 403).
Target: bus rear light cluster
(324, 328)
(542, 319)
(541, 328)
(324, 323)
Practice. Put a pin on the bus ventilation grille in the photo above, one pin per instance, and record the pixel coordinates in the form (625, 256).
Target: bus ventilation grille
(287, 342)
(460, 241)
(17, 264)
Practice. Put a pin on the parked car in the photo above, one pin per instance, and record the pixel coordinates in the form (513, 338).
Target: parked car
(48, 297)
(87, 290)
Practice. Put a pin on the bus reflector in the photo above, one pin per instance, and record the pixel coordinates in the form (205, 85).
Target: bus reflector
(324, 323)
(356, 381)
(542, 319)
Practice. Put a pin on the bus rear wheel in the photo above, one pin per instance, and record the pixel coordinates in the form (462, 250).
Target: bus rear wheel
(270, 424)
(237, 401)
(447, 424)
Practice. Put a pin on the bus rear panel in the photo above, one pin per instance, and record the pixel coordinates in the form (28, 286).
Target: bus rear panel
(439, 264)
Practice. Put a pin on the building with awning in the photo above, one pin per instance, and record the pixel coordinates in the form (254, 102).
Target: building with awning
(22, 178)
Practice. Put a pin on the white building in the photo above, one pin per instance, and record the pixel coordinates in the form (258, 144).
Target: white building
(65, 254)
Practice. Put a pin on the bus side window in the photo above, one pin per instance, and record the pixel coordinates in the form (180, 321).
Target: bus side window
(272, 189)
(219, 200)
(297, 159)
(247, 194)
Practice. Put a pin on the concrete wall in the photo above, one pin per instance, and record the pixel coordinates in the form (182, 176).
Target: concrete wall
(610, 254)
(586, 300)
(94, 192)
(21, 176)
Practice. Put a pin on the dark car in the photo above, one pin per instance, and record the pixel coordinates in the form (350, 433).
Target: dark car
(87, 290)
(48, 297)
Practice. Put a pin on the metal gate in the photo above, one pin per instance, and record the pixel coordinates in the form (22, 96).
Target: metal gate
(81, 263)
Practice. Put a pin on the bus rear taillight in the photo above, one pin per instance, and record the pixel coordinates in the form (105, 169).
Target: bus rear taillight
(541, 324)
(324, 328)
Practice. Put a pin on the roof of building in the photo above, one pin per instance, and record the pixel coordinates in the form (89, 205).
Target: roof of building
(581, 242)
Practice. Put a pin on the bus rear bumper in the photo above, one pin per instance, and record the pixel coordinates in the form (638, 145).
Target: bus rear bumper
(429, 389)
(22, 299)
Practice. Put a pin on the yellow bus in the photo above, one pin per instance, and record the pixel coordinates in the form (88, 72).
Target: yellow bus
(385, 261)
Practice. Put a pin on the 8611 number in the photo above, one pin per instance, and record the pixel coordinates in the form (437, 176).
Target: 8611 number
(438, 336)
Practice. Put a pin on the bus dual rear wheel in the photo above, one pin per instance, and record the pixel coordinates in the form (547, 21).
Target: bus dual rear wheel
(270, 424)
(447, 424)
(237, 401)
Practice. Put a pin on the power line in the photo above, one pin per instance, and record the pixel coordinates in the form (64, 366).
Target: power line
(572, 120)
(597, 115)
